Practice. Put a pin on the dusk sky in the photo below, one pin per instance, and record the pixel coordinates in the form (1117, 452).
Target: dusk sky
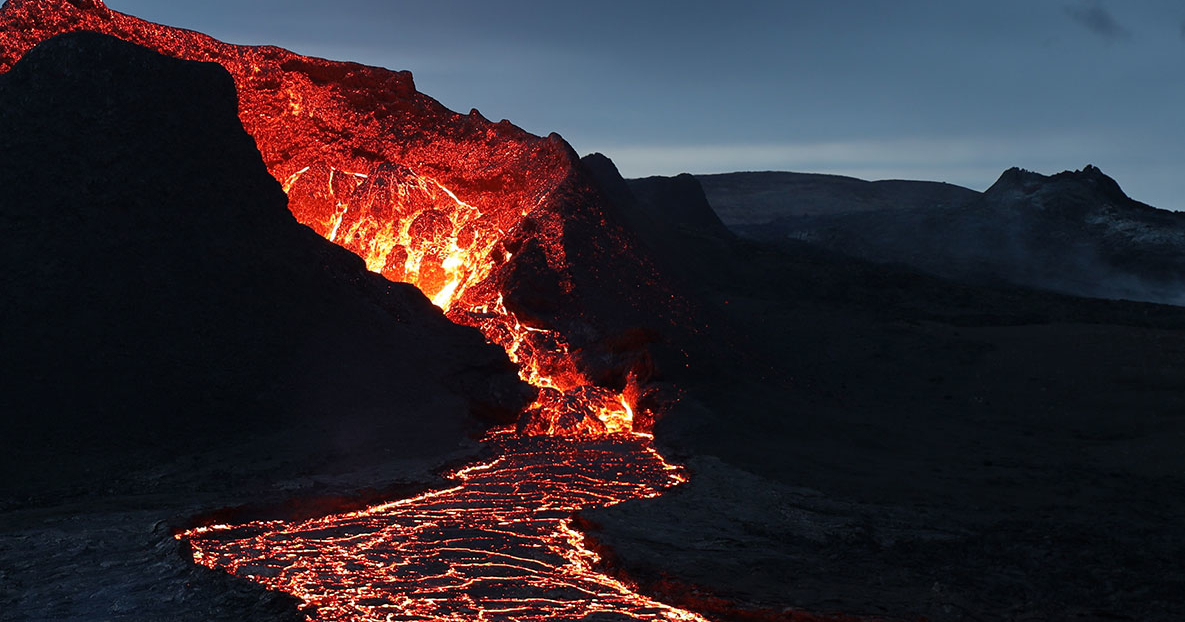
(938, 89)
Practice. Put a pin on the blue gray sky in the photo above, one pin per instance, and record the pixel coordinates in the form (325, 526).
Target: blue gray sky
(947, 90)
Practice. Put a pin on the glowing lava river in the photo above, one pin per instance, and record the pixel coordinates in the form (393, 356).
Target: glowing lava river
(497, 546)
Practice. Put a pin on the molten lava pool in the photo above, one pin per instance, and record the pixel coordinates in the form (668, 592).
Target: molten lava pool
(497, 546)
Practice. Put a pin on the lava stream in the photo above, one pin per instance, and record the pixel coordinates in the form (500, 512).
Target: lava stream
(410, 227)
(497, 546)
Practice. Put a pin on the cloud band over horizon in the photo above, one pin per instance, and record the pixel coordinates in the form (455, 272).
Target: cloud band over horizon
(946, 90)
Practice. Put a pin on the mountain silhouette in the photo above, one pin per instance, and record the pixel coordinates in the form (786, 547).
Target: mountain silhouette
(1075, 232)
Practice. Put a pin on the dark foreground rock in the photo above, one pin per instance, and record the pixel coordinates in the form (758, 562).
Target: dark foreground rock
(174, 340)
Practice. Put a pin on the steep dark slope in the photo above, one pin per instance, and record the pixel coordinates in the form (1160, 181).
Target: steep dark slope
(672, 222)
(160, 298)
(1075, 232)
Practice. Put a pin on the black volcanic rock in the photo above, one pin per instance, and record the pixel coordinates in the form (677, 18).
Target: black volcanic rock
(671, 219)
(679, 202)
(692, 252)
(174, 342)
(1075, 232)
(160, 299)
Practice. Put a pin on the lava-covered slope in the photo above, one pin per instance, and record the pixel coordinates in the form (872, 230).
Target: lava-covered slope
(501, 228)
(159, 297)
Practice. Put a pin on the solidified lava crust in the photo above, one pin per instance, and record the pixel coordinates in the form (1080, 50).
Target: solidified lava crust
(695, 598)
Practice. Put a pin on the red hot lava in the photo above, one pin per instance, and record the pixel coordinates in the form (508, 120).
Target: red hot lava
(424, 195)
(446, 202)
(497, 546)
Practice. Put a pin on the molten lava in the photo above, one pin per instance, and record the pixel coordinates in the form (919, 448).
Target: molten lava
(407, 227)
(449, 203)
(422, 194)
(412, 228)
(497, 546)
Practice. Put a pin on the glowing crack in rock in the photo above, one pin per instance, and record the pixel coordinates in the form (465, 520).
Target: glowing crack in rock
(405, 226)
(411, 228)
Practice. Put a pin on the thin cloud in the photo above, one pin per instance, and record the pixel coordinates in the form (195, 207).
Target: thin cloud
(1095, 18)
(1183, 29)
(972, 161)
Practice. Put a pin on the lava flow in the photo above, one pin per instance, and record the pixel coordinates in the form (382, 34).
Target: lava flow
(411, 228)
(462, 208)
(497, 546)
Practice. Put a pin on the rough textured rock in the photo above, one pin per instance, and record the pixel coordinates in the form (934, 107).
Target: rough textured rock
(672, 221)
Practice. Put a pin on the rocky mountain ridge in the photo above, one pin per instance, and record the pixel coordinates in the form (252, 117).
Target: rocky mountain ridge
(1075, 232)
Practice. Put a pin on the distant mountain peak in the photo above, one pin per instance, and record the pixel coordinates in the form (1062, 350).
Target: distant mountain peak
(1089, 180)
(1094, 177)
(1017, 179)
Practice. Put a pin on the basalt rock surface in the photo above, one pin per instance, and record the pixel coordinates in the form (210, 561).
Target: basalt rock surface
(160, 292)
